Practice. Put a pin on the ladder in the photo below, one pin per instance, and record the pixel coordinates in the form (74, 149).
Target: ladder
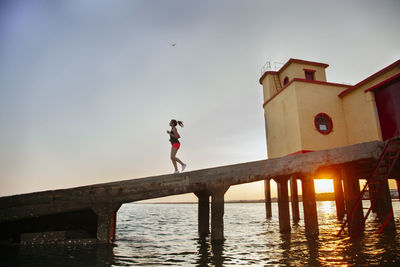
(375, 184)
(267, 67)
(277, 82)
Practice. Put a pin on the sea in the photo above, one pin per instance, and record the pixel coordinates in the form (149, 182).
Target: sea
(167, 235)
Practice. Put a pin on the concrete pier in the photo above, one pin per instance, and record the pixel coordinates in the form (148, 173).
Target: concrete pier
(283, 204)
(267, 190)
(309, 204)
(87, 214)
(294, 198)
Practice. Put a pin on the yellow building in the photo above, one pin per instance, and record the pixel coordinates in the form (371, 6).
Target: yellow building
(303, 112)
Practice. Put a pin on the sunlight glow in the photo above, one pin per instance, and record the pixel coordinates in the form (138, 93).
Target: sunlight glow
(323, 185)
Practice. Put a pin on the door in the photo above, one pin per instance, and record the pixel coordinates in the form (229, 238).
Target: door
(387, 100)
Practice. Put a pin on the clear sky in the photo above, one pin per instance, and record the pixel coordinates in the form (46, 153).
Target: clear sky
(87, 88)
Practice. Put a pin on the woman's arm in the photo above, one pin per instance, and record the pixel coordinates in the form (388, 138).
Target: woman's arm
(174, 134)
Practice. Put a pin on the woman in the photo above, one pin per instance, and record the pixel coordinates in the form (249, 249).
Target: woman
(174, 136)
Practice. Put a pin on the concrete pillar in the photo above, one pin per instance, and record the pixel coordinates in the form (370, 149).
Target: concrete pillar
(339, 196)
(351, 188)
(309, 205)
(217, 213)
(294, 197)
(283, 204)
(267, 191)
(203, 212)
(106, 222)
(384, 207)
(373, 189)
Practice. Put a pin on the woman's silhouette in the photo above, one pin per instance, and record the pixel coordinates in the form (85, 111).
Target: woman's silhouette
(174, 136)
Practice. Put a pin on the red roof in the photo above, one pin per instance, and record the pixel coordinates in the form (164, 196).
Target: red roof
(350, 89)
(385, 82)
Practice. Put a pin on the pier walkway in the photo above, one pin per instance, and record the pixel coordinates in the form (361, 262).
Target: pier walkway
(87, 214)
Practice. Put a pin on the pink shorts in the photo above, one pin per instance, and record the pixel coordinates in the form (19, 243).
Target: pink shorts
(176, 145)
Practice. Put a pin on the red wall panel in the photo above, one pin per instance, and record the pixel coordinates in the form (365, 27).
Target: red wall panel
(387, 100)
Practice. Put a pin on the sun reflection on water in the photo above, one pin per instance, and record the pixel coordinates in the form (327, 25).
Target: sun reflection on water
(327, 207)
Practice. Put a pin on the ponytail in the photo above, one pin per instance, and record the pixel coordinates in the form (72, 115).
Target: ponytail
(174, 122)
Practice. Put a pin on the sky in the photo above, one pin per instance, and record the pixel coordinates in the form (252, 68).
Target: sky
(87, 88)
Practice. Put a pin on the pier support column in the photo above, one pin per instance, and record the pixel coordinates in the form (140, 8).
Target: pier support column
(106, 222)
(398, 187)
(217, 213)
(203, 212)
(373, 189)
(294, 198)
(283, 204)
(339, 197)
(267, 191)
(351, 187)
(309, 205)
(384, 207)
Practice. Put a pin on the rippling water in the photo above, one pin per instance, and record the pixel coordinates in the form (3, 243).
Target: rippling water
(166, 234)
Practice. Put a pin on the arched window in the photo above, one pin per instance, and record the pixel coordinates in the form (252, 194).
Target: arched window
(286, 80)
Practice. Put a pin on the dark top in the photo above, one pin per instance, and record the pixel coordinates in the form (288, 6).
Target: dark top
(172, 139)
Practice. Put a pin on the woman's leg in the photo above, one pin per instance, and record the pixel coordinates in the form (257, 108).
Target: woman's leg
(173, 158)
(179, 161)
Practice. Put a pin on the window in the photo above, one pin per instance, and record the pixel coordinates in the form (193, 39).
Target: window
(286, 80)
(323, 123)
(309, 74)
